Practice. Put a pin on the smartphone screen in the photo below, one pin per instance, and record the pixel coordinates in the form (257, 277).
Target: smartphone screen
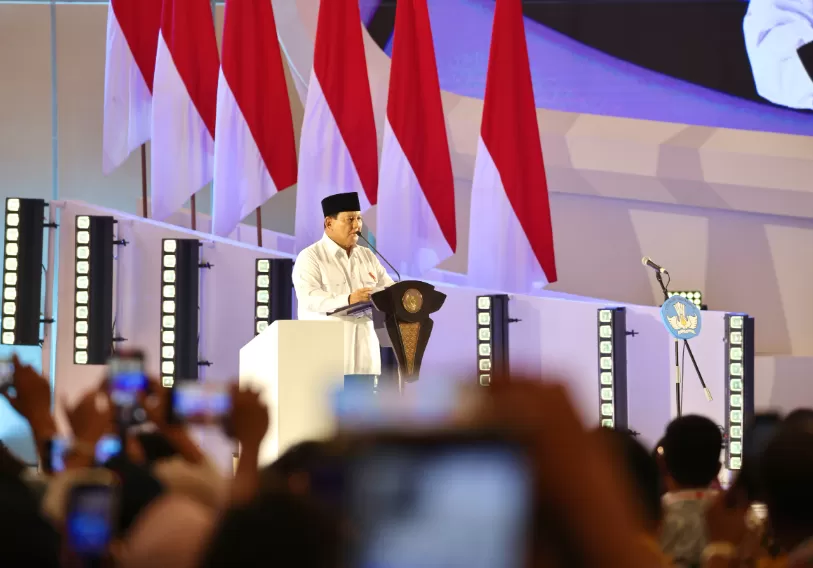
(200, 403)
(58, 447)
(453, 505)
(107, 447)
(89, 519)
(127, 380)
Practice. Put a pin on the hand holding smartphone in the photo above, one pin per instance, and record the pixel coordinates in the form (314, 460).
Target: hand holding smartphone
(127, 384)
(91, 514)
(454, 499)
(192, 402)
(107, 447)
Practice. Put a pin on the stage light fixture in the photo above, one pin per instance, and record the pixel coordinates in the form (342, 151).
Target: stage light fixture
(612, 367)
(273, 293)
(492, 337)
(22, 271)
(93, 290)
(180, 277)
(694, 296)
(739, 390)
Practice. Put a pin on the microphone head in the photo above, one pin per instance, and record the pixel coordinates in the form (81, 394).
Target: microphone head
(645, 260)
(358, 233)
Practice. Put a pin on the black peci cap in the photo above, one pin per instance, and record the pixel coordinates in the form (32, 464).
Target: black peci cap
(335, 204)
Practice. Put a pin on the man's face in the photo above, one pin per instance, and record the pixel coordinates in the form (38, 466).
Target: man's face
(342, 230)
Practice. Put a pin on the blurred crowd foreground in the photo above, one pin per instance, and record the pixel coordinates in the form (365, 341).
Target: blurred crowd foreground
(510, 479)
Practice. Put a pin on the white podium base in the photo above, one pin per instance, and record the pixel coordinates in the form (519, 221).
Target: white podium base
(296, 365)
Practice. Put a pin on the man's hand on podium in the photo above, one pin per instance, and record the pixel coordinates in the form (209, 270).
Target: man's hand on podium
(360, 295)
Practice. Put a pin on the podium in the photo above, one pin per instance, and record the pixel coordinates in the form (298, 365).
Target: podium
(296, 365)
(401, 318)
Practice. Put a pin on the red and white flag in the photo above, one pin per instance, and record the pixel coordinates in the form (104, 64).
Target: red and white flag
(338, 149)
(132, 39)
(255, 150)
(184, 105)
(510, 237)
(416, 214)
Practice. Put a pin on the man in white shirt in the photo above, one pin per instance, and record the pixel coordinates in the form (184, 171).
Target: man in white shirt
(335, 272)
(779, 40)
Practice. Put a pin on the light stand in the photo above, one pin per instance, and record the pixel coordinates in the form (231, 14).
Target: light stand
(678, 377)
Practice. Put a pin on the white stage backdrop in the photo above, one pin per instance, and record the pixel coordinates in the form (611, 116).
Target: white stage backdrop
(554, 335)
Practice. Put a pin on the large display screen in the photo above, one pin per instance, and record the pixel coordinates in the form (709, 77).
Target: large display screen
(719, 63)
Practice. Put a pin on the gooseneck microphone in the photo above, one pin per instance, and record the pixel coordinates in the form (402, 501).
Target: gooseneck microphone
(381, 256)
(646, 261)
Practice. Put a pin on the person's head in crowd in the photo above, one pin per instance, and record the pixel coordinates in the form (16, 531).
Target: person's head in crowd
(138, 489)
(691, 453)
(171, 531)
(147, 448)
(27, 539)
(292, 469)
(277, 528)
(785, 473)
(642, 471)
(802, 417)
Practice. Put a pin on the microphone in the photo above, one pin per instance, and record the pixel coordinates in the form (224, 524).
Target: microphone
(646, 261)
(381, 256)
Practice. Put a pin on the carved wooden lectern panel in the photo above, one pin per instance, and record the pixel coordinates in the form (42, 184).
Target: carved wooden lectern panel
(406, 307)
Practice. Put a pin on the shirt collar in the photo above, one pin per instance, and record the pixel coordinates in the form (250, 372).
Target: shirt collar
(332, 248)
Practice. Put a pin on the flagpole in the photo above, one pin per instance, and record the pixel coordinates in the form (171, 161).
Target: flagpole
(194, 205)
(144, 181)
(259, 228)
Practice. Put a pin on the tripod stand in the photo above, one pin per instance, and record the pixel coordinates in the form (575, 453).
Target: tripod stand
(687, 347)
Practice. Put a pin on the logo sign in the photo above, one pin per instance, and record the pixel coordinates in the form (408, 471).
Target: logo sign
(681, 317)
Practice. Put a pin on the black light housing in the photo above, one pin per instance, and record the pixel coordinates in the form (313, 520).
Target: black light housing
(694, 296)
(273, 292)
(22, 271)
(612, 368)
(739, 387)
(180, 279)
(93, 290)
(492, 338)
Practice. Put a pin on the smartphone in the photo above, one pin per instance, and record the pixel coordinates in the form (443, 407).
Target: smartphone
(358, 407)
(107, 447)
(458, 500)
(192, 402)
(127, 382)
(91, 512)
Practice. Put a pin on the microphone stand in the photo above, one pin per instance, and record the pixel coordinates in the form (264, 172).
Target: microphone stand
(397, 327)
(378, 254)
(678, 378)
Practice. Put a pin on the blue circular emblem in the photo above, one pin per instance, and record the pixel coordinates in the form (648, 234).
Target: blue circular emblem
(681, 317)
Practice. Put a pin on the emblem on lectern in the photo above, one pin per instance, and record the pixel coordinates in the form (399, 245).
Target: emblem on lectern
(412, 301)
(681, 317)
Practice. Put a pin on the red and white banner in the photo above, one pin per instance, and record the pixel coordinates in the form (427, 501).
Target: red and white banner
(132, 40)
(255, 150)
(416, 210)
(338, 149)
(184, 105)
(511, 237)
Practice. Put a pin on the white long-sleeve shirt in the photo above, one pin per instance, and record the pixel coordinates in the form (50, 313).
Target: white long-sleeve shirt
(774, 30)
(324, 277)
